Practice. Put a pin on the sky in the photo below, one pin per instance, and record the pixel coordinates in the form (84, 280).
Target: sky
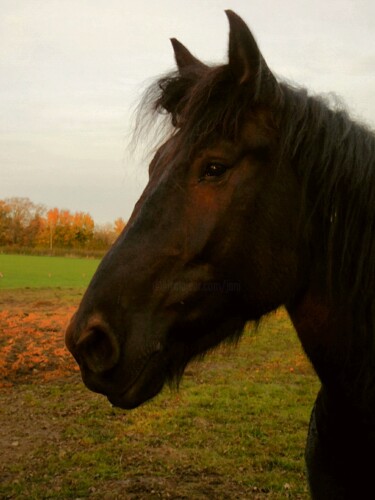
(73, 71)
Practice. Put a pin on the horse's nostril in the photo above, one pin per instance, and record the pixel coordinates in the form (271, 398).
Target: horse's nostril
(98, 348)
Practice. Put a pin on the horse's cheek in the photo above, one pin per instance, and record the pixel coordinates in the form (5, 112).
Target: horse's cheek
(201, 219)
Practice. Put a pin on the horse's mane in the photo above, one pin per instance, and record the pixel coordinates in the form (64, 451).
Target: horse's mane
(333, 156)
(335, 159)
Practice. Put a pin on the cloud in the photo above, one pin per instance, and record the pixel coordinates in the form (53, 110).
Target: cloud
(75, 69)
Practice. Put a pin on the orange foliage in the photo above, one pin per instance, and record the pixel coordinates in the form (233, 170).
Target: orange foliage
(64, 229)
(25, 224)
(119, 225)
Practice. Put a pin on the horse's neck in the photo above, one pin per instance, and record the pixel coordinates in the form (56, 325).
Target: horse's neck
(329, 340)
(315, 323)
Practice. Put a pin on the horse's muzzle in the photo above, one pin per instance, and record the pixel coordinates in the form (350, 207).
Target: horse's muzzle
(95, 346)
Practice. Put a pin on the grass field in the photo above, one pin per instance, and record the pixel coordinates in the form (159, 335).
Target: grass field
(20, 271)
(235, 430)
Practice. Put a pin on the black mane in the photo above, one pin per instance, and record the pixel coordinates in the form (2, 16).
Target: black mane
(335, 159)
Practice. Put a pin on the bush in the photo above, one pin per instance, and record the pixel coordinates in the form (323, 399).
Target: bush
(55, 252)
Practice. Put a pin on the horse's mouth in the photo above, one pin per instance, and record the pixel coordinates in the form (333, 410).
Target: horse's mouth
(147, 384)
(132, 398)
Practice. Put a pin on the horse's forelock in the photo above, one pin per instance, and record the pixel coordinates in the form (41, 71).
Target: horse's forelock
(201, 106)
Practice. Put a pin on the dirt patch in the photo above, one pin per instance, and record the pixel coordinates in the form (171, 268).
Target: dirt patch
(32, 338)
(183, 485)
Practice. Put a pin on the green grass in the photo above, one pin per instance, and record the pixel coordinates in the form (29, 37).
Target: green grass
(20, 271)
(236, 429)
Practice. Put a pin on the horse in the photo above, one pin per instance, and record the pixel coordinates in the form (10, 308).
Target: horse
(260, 183)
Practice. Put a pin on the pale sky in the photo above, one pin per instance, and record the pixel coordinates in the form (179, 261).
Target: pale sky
(72, 72)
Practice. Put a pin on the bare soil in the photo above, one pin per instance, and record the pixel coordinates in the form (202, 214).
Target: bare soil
(32, 326)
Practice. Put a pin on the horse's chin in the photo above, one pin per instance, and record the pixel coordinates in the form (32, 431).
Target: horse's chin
(147, 385)
(136, 395)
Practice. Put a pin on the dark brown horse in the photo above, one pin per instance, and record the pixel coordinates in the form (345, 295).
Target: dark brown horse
(263, 186)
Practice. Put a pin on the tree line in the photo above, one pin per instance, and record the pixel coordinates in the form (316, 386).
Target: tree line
(27, 225)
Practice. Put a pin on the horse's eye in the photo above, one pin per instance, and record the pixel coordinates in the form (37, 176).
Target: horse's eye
(214, 169)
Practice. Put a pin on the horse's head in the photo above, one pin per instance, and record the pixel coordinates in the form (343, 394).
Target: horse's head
(212, 242)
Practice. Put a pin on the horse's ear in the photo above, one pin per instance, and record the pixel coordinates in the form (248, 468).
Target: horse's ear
(174, 88)
(184, 58)
(245, 59)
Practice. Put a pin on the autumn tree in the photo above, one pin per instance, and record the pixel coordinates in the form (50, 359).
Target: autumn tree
(23, 220)
(83, 229)
(64, 229)
(5, 238)
(103, 238)
(119, 225)
(26, 224)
